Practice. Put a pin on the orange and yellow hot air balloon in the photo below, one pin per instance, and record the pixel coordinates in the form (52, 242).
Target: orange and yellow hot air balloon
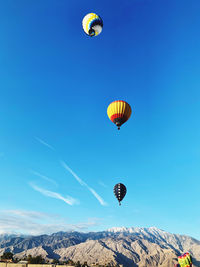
(185, 260)
(119, 112)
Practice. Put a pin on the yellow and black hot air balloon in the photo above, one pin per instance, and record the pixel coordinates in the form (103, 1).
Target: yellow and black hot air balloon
(119, 112)
(92, 24)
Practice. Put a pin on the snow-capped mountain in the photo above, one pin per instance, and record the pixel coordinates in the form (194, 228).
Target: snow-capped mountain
(121, 230)
(131, 230)
(145, 247)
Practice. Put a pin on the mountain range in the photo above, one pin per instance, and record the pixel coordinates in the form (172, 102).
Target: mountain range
(131, 247)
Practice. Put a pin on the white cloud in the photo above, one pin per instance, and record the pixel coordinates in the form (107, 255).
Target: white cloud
(102, 184)
(101, 201)
(36, 223)
(73, 173)
(69, 200)
(44, 143)
(44, 177)
(29, 214)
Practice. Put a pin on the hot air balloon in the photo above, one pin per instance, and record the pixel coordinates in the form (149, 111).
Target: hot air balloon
(92, 24)
(120, 191)
(119, 112)
(185, 260)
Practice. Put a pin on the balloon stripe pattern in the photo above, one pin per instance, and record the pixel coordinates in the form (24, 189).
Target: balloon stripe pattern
(119, 191)
(185, 260)
(92, 24)
(119, 112)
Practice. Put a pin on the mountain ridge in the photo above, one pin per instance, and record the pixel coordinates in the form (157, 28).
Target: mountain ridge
(132, 246)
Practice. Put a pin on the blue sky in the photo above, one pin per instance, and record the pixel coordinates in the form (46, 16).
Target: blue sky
(60, 156)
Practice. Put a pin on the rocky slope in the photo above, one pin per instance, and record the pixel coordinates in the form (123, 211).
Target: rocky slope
(128, 246)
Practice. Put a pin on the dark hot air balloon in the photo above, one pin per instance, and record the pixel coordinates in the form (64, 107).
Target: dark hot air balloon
(120, 191)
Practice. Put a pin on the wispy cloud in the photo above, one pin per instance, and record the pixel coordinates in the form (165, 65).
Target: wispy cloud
(36, 223)
(81, 182)
(69, 200)
(102, 184)
(135, 211)
(73, 173)
(44, 177)
(101, 201)
(44, 143)
(29, 214)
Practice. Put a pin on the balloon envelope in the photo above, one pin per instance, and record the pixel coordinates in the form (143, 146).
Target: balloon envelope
(120, 191)
(92, 24)
(119, 112)
(185, 260)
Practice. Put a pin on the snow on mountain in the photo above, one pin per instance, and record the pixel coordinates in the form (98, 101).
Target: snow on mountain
(134, 246)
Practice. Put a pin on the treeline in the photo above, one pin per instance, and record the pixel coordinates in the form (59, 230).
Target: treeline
(40, 260)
